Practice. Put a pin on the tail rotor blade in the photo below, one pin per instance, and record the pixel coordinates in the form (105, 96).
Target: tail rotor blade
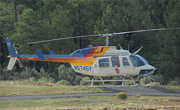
(20, 64)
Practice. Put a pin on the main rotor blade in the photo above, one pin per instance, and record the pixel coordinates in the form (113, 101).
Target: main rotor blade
(30, 43)
(144, 31)
(101, 35)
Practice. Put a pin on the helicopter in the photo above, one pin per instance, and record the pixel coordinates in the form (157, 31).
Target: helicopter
(99, 61)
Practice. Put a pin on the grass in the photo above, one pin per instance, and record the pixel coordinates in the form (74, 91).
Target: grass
(176, 88)
(17, 88)
(96, 102)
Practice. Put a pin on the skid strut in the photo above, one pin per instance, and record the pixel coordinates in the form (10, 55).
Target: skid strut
(94, 79)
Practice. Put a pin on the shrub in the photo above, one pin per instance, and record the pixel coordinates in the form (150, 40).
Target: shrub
(177, 79)
(144, 81)
(52, 80)
(137, 96)
(16, 76)
(26, 74)
(32, 79)
(116, 82)
(35, 73)
(173, 83)
(159, 78)
(67, 74)
(83, 82)
(63, 82)
(121, 95)
(129, 83)
(1, 72)
(43, 73)
(78, 79)
(42, 81)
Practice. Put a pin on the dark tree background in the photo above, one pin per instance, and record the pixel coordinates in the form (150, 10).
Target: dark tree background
(25, 21)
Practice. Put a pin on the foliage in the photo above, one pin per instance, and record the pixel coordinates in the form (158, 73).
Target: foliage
(28, 21)
(173, 83)
(144, 81)
(26, 74)
(177, 79)
(63, 82)
(32, 79)
(129, 83)
(117, 82)
(83, 82)
(43, 73)
(67, 74)
(78, 79)
(42, 81)
(158, 78)
(52, 80)
(122, 95)
(170, 43)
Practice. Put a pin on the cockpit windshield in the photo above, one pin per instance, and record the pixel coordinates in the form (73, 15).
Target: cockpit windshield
(137, 60)
(143, 59)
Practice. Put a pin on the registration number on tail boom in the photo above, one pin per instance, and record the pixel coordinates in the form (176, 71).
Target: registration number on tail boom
(82, 68)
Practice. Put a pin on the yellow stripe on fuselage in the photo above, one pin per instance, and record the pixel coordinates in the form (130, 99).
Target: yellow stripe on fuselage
(88, 61)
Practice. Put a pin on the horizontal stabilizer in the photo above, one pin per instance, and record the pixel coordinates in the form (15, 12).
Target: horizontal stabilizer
(40, 55)
(11, 63)
(51, 52)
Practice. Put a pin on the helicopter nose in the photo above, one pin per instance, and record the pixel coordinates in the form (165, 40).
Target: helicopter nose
(148, 69)
(153, 68)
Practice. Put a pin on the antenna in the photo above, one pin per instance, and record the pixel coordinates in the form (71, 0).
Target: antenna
(120, 47)
(138, 50)
(128, 47)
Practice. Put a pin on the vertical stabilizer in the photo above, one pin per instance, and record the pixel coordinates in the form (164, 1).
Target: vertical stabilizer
(13, 56)
(11, 63)
(11, 49)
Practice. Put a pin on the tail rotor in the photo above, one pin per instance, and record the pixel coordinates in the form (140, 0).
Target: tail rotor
(13, 55)
(20, 64)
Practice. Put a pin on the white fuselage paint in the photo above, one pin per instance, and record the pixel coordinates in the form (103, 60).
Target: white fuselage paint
(110, 69)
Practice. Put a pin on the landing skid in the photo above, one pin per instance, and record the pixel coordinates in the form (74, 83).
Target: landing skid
(104, 85)
(150, 79)
(115, 85)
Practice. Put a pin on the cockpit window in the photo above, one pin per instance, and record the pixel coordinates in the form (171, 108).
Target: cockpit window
(104, 62)
(143, 59)
(115, 61)
(125, 61)
(136, 61)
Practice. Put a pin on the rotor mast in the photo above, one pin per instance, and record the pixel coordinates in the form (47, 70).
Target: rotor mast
(107, 40)
(107, 35)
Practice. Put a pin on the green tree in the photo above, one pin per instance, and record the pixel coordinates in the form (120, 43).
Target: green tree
(169, 55)
(31, 26)
(156, 9)
(83, 15)
(122, 16)
(8, 16)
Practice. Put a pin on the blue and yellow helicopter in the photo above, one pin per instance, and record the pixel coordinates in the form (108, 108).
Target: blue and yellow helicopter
(99, 61)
